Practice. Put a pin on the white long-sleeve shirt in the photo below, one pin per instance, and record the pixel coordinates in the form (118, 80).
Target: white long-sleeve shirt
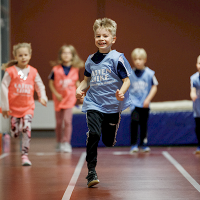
(39, 87)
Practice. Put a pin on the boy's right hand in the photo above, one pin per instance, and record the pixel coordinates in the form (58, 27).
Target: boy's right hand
(59, 97)
(79, 94)
(5, 114)
(193, 97)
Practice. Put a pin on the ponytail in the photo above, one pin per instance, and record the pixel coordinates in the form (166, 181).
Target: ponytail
(8, 64)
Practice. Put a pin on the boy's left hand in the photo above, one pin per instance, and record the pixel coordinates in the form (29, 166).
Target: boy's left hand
(146, 103)
(43, 102)
(119, 95)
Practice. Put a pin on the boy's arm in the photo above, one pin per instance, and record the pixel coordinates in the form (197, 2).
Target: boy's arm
(150, 96)
(193, 94)
(83, 86)
(120, 93)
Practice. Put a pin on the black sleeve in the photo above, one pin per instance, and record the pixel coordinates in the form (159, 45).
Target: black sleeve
(86, 73)
(121, 70)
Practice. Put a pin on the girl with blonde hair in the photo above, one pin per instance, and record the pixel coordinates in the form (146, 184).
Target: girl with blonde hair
(64, 79)
(17, 95)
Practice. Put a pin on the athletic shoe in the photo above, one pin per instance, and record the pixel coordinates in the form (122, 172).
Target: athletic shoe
(92, 179)
(66, 147)
(26, 161)
(145, 149)
(197, 150)
(58, 147)
(134, 149)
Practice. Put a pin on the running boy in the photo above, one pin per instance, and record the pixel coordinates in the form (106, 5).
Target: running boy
(142, 90)
(195, 96)
(107, 73)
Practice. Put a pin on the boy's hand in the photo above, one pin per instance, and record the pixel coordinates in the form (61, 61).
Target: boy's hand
(193, 97)
(59, 97)
(5, 114)
(80, 94)
(43, 102)
(146, 103)
(119, 95)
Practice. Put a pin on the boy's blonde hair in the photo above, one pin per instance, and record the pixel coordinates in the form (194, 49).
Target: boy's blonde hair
(15, 48)
(139, 52)
(106, 23)
(76, 60)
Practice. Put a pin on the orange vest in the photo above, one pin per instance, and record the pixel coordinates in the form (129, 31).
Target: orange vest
(66, 86)
(20, 92)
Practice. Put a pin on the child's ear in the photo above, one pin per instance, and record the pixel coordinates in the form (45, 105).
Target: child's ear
(114, 39)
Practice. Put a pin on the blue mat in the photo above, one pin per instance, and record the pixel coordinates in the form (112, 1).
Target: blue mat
(164, 128)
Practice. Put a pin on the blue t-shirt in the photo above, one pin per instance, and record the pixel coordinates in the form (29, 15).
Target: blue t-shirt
(104, 82)
(195, 82)
(141, 83)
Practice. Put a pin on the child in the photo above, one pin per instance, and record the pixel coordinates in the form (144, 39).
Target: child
(63, 82)
(106, 72)
(17, 91)
(142, 90)
(195, 96)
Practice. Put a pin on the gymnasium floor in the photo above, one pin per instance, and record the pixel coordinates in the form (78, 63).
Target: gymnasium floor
(166, 173)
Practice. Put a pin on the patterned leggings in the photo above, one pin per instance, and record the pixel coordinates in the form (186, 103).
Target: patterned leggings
(22, 125)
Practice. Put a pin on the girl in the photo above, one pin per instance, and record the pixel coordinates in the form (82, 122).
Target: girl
(64, 79)
(17, 95)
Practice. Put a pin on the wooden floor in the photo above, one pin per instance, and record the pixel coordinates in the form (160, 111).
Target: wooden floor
(167, 173)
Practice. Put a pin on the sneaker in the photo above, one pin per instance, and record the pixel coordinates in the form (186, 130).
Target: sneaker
(134, 149)
(146, 149)
(26, 161)
(197, 150)
(92, 179)
(66, 147)
(58, 147)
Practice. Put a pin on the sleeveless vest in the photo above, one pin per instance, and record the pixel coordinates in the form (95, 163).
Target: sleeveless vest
(21, 92)
(66, 86)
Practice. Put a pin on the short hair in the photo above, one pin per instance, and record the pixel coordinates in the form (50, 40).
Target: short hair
(106, 23)
(139, 52)
(21, 45)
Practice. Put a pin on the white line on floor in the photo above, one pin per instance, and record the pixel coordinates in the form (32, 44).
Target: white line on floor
(74, 178)
(45, 154)
(181, 170)
(4, 155)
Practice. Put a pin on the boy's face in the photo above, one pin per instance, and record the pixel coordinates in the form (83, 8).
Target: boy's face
(198, 65)
(139, 62)
(104, 40)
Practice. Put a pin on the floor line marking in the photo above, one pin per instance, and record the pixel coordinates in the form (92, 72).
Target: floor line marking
(72, 183)
(4, 155)
(181, 170)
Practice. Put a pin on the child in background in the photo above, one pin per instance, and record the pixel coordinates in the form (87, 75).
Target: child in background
(195, 96)
(142, 90)
(107, 73)
(17, 95)
(63, 82)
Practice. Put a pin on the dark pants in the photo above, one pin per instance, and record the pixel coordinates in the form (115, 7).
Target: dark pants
(100, 123)
(139, 117)
(197, 129)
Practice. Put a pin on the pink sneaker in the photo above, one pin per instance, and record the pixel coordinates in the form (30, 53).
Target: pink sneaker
(26, 161)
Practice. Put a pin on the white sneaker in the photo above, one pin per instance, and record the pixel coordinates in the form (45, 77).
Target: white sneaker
(66, 147)
(58, 147)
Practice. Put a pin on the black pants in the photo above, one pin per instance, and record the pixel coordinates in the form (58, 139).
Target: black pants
(100, 123)
(139, 117)
(197, 129)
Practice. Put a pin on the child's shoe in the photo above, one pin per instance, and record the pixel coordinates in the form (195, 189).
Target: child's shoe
(58, 147)
(145, 149)
(197, 150)
(92, 179)
(26, 161)
(134, 149)
(66, 147)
